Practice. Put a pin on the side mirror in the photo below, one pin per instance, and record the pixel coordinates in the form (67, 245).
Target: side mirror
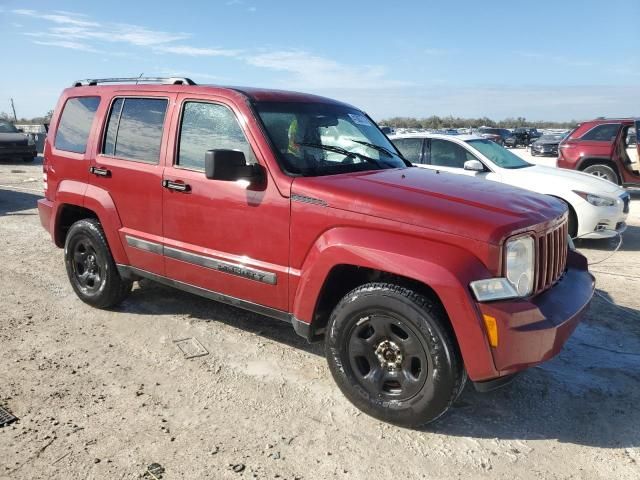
(231, 165)
(474, 165)
(21, 130)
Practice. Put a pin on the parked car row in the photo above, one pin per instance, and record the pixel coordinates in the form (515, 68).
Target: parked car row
(597, 208)
(14, 144)
(300, 208)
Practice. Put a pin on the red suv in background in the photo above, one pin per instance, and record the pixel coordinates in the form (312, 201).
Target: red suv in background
(607, 148)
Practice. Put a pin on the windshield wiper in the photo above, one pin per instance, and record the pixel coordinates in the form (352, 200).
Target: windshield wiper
(374, 146)
(341, 151)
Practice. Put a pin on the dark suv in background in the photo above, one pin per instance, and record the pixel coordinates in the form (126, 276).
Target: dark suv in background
(604, 147)
(501, 136)
(525, 136)
(14, 144)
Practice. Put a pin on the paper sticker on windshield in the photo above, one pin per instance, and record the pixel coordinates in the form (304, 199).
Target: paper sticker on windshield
(360, 119)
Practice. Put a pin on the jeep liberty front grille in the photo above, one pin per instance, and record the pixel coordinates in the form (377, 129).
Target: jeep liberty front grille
(551, 250)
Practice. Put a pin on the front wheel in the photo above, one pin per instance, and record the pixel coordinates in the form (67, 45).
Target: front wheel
(90, 266)
(603, 171)
(392, 353)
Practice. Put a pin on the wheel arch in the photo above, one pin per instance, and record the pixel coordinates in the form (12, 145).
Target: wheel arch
(93, 203)
(572, 212)
(337, 264)
(589, 161)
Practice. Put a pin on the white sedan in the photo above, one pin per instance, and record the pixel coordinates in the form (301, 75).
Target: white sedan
(597, 207)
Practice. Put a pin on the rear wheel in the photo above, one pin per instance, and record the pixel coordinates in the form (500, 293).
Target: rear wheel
(90, 266)
(391, 352)
(603, 171)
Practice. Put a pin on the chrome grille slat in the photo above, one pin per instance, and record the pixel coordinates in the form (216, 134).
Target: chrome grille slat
(551, 256)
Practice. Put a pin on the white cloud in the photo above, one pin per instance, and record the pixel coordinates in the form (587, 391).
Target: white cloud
(66, 44)
(65, 19)
(313, 71)
(197, 51)
(301, 69)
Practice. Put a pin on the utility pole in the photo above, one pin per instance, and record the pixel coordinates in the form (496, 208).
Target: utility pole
(15, 117)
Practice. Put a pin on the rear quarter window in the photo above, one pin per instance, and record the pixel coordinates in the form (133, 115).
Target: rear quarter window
(602, 133)
(75, 124)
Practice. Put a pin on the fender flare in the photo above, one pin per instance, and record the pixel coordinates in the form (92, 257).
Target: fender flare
(98, 200)
(446, 269)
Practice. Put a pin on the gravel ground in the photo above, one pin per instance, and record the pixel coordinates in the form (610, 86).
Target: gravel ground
(104, 394)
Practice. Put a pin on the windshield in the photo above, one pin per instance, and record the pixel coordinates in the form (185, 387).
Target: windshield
(6, 127)
(550, 138)
(314, 139)
(497, 154)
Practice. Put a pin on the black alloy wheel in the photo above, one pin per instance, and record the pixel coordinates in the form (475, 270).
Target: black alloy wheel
(88, 274)
(393, 354)
(387, 357)
(90, 266)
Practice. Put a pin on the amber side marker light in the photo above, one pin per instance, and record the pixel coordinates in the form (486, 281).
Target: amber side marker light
(491, 325)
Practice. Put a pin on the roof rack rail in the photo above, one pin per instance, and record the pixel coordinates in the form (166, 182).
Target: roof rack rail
(161, 80)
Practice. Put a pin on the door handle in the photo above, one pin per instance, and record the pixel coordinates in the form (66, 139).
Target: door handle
(177, 186)
(100, 172)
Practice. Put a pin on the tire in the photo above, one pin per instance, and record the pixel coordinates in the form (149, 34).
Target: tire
(603, 171)
(90, 266)
(382, 344)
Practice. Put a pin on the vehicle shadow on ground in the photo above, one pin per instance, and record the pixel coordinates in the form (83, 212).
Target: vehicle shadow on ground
(37, 160)
(154, 298)
(15, 202)
(588, 395)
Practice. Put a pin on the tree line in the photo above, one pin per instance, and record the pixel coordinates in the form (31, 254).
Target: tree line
(436, 122)
(28, 121)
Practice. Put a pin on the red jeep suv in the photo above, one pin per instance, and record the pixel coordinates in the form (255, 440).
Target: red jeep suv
(607, 148)
(299, 208)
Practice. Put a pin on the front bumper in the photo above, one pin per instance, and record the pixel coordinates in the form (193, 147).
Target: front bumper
(601, 222)
(539, 150)
(533, 330)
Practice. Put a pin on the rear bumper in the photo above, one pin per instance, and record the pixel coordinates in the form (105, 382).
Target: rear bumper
(45, 211)
(534, 330)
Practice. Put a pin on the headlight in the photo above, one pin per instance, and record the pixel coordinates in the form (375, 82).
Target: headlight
(519, 273)
(519, 264)
(596, 200)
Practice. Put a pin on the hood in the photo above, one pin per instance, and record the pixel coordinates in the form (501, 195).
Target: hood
(13, 138)
(454, 204)
(554, 180)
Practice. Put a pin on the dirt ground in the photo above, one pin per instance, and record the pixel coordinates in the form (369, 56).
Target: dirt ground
(104, 394)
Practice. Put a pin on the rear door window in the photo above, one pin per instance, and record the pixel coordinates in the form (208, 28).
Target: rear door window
(75, 124)
(134, 130)
(449, 154)
(602, 133)
(410, 148)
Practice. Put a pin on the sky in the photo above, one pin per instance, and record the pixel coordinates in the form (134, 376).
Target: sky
(542, 60)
